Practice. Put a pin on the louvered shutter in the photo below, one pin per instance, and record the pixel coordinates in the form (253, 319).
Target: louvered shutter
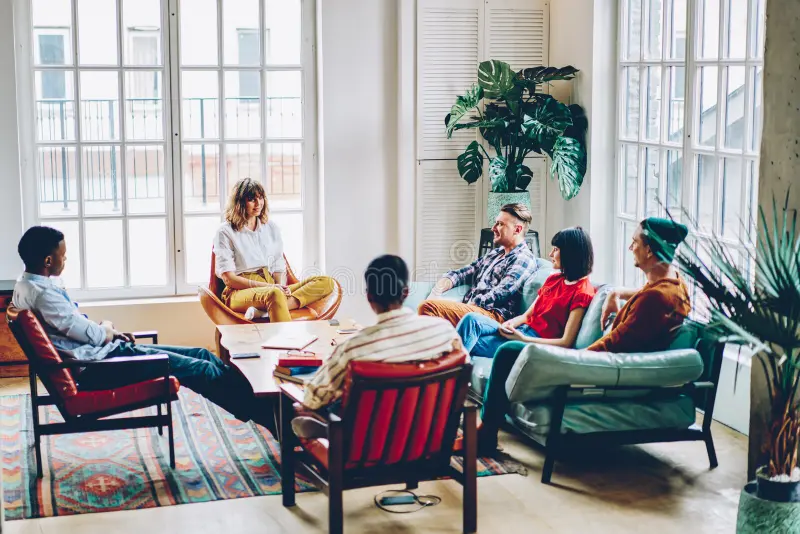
(517, 32)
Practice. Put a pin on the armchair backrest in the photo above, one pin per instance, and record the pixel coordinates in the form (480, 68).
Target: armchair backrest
(216, 285)
(39, 350)
(403, 413)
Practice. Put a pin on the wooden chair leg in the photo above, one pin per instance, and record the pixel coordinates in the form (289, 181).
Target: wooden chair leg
(335, 475)
(37, 437)
(287, 442)
(470, 477)
(38, 447)
(712, 453)
(160, 428)
(412, 484)
(171, 437)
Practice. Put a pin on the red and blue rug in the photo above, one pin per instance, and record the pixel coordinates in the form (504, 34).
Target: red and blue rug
(216, 457)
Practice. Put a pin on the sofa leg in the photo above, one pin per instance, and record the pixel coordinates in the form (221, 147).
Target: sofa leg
(547, 471)
(712, 453)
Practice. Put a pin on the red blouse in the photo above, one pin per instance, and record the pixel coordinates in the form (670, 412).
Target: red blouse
(556, 300)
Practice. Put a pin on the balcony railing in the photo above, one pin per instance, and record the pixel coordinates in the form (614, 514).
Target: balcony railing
(55, 122)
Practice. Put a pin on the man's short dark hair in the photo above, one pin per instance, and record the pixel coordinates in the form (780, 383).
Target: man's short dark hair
(577, 253)
(387, 278)
(519, 212)
(37, 243)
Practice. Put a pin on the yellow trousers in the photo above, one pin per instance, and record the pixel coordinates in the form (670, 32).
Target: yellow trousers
(272, 300)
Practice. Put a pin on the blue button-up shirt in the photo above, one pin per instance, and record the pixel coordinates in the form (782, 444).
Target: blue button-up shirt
(70, 331)
(497, 279)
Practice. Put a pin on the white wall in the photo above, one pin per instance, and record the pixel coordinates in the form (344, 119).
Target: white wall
(11, 197)
(358, 101)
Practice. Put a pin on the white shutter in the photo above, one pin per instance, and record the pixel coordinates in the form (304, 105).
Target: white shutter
(447, 219)
(537, 189)
(517, 32)
(449, 44)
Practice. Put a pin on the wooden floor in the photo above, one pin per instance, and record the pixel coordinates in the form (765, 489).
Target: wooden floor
(653, 489)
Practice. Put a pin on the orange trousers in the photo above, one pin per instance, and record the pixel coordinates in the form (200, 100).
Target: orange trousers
(453, 311)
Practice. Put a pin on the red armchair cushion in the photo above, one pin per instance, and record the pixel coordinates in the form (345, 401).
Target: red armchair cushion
(43, 352)
(89, 402)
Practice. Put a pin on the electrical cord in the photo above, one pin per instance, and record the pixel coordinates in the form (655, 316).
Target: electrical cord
(424, 501)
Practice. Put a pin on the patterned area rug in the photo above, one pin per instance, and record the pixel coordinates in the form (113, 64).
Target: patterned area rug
(217, 457)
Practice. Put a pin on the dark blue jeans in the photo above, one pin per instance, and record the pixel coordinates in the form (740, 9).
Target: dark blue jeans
(195, 368)
(480, 336)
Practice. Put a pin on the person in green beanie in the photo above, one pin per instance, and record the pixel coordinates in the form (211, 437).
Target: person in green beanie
(647, 321)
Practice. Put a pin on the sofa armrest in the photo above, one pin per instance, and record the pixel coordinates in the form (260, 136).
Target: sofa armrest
(539, 369)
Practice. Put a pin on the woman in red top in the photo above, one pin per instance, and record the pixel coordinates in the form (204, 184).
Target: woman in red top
(555, 316)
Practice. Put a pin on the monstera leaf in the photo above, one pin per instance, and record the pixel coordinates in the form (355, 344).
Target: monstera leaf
(464, 104)
(496, 78)
(499, 135)
(545, 121)
(569, 165)
(470, 163)
(497, 174)
(532, 77)
(524, 176)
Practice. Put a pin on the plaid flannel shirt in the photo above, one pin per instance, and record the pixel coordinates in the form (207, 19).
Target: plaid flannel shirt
(496, 279)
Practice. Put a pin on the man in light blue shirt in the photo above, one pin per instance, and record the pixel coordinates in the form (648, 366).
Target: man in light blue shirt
(44, 252)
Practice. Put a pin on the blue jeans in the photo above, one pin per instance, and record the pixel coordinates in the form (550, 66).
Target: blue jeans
(195, 368)
(480, 336)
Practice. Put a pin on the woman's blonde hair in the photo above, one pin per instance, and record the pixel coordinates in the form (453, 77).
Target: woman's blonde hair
(244, 190)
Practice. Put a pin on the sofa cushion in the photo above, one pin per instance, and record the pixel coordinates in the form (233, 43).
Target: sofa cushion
(90, 402)
(481, 367)
(587, 416)
(591, 330)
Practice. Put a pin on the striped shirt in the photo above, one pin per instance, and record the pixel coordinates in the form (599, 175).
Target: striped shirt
(400, 336)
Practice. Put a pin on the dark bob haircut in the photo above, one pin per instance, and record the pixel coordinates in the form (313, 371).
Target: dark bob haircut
(577, 254)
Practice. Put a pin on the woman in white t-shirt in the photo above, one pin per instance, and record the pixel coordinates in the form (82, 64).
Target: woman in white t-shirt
(249, 252)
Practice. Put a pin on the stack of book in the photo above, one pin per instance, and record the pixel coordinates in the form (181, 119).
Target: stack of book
(297, 368)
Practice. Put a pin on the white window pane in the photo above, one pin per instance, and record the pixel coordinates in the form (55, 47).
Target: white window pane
(200, 92)
(97, 32)
(630, 179)
(198, 32)
(141, 26)
(243, 105)
(630, 107)
(674, 183)
(652, 103)
(751, 199)
(99, 106)
(71, 276)
(201, 178)
(58, 181)
(145, 170)
(734, 107)
(632, 43)
(242, 161)
(284, 169)
(629, 276)
(199, 236)
(282, 31)
(736, 40)
(147, 251)
(704, 194)
(653, 33)
(284, 104)
(708, 106)
(676, 106)
(52, 32)
(55, 105)
(144, 105)
(677, 16)
(102, 190)
(104, 255)
(240, 42)
(291, 225)
(731, 197)
(756, 101)
(757, 28)
(652, 175)
(708, 39)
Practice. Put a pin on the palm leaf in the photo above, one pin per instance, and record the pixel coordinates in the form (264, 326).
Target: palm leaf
(546, 121)
(568, 166)
(496, 78)
(470, 163)
(464, 104)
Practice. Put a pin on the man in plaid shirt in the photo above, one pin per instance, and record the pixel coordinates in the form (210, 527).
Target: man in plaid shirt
(496, 279)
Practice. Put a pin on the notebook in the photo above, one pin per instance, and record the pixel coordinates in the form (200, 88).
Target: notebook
(289, 341)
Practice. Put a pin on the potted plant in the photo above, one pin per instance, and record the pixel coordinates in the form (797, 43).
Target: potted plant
(515, 121)
(763, 313)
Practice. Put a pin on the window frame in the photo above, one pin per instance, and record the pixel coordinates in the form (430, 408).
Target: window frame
(688, 146)
(177, 284)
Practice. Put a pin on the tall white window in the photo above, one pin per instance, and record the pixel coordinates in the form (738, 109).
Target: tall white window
(690, 116)
(146, 113)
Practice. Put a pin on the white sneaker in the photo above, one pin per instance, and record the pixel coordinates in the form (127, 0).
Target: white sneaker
(250, 314)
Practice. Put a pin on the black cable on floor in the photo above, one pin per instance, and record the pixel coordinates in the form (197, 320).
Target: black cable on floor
(423, 501)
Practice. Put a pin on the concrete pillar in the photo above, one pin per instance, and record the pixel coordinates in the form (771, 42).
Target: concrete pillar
(780, 161)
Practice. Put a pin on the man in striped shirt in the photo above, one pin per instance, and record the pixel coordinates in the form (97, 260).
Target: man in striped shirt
(399, 336)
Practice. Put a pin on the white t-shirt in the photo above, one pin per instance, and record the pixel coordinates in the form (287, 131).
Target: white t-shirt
(249, 250)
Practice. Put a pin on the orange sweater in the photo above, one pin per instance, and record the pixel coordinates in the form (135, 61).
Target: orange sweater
(647, 321)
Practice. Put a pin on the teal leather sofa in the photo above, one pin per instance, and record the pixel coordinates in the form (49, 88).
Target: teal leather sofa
(573, 398)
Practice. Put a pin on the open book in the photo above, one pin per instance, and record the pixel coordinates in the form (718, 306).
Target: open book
(289, 341)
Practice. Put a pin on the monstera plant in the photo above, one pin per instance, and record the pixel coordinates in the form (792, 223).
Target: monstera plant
(517, 120)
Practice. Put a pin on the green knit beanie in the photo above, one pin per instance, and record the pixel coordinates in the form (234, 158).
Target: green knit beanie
(664, 236)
